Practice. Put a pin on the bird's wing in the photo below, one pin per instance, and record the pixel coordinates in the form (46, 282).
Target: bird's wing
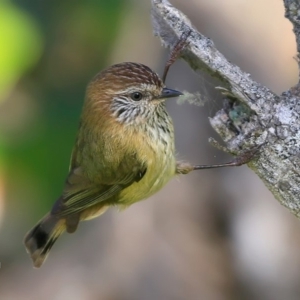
(79, 194)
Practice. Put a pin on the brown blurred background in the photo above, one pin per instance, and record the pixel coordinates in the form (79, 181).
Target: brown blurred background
(216, 234)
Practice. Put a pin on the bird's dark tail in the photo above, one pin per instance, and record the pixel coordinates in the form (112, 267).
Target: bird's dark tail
(40, 239)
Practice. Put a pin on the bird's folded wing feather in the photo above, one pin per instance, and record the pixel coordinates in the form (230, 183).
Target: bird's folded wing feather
(79, 194)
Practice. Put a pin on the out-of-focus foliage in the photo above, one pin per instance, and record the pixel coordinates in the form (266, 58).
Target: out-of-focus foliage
(20, 49)
(21, 45)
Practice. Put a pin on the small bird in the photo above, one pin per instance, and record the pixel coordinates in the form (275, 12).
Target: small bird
(124, 152)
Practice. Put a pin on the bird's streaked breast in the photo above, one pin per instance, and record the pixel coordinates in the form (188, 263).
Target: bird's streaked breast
(156, 147)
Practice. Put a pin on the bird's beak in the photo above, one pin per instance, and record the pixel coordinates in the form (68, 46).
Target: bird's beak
(168, 93)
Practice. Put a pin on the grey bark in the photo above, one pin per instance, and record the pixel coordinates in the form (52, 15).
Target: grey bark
(253, 115)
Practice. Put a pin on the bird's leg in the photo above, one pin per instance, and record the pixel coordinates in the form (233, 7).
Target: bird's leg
(243, 158)
(181, 44)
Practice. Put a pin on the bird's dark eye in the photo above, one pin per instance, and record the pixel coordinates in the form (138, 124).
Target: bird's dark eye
(136, 96)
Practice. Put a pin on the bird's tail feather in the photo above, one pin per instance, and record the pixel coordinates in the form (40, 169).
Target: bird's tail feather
(40, 239)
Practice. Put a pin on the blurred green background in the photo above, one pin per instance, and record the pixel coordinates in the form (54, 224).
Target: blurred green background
(214, 235)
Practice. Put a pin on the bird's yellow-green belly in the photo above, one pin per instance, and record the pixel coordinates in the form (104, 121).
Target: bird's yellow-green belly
(156, 176)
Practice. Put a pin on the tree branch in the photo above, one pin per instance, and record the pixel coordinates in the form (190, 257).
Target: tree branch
(292, 12)
(252, 115)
